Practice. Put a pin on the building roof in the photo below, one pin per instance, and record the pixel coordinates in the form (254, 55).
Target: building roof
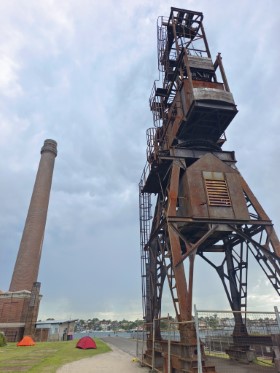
(55, 321)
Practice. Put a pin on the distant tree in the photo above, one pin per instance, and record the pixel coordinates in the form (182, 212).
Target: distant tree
(213, 321)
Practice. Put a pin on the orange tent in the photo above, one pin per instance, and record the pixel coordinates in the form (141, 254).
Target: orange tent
(26, 341)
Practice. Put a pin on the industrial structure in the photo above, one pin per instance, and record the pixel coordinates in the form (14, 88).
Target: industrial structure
(203, 205)
(19, 306)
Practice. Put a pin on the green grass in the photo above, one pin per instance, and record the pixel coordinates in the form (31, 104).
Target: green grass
(45, 357)
(222, 355)
(264, 362)
(258, 361)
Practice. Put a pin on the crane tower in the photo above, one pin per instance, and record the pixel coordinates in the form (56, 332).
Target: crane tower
(203, 204)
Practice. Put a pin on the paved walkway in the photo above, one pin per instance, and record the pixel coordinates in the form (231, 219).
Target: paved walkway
(116, 361)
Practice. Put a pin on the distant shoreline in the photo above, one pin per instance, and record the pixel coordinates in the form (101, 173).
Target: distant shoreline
(106, 333)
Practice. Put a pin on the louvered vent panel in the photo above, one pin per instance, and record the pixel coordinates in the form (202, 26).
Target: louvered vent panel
(217, 193)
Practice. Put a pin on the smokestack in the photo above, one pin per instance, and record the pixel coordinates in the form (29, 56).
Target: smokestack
(28, 260)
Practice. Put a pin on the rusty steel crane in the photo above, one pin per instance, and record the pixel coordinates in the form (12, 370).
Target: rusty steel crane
(203, 205)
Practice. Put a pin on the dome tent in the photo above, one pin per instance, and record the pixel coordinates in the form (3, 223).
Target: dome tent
(86, 343)
(26, 341)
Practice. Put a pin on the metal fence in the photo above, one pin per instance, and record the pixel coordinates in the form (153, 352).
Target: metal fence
(232, 342)
(251, 346)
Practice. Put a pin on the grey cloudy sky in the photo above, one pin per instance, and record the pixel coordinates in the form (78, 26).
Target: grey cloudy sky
(81, 72)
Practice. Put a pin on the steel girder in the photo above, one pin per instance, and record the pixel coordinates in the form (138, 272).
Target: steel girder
(169, 247)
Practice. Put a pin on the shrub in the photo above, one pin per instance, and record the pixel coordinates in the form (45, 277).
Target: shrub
(2, 340)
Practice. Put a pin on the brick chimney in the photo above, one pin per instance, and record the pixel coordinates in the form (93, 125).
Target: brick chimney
(28, 260)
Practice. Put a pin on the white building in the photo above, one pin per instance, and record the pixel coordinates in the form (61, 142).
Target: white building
(55, 330)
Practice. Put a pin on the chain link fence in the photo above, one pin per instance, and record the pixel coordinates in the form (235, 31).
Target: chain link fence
(232, 342)
(240, 341)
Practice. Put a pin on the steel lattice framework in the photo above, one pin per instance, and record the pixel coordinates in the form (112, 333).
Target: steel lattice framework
(204, 206)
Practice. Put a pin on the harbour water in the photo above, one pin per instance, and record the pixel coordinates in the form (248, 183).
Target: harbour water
(101, 334)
